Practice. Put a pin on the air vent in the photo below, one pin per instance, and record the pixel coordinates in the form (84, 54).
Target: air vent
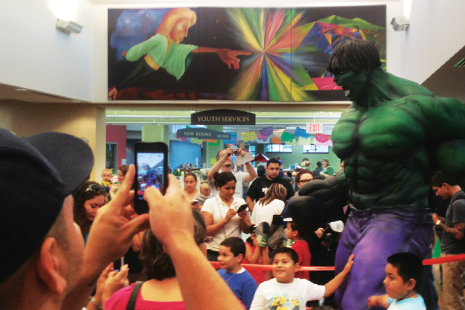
(460, 64)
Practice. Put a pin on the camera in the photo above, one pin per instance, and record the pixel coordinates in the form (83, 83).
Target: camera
(331, 232)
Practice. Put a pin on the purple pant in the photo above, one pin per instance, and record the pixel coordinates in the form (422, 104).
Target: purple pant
(372, 236)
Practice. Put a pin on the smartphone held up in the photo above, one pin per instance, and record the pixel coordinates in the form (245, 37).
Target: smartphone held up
(151, 159)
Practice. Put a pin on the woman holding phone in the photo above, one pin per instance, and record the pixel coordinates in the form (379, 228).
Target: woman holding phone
(221, 216)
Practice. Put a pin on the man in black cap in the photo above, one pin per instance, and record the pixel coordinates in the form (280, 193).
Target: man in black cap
(44, 263)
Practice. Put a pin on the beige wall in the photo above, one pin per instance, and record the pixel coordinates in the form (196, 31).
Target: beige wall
(83, 121)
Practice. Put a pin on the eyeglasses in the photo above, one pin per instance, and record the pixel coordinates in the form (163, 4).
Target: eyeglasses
(96, 188)
(305, 181)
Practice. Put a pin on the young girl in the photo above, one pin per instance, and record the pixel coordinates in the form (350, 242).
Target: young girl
(88, 199)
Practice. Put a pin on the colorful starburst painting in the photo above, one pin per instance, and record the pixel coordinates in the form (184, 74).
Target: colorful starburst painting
(262, 54)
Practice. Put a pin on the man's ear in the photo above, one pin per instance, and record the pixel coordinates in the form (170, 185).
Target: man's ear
(51, 266)
(411, 284)
(240, 258)
(296, 267)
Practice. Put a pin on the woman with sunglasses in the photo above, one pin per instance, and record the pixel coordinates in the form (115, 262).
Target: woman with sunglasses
(88, 199)
(220, 214)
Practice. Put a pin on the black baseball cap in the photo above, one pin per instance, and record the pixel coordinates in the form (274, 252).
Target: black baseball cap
(36, 175)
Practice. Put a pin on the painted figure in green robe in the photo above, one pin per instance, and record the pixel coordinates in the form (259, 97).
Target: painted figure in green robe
(165, 50)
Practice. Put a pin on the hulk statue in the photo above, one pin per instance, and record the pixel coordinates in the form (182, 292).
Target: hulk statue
(393, 138)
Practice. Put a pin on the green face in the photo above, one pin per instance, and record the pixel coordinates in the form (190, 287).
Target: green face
(353, 83)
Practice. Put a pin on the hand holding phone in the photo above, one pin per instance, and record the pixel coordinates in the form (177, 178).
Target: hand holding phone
(151, 159)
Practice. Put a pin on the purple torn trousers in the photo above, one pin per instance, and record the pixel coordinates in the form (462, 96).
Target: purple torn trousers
(372, 236)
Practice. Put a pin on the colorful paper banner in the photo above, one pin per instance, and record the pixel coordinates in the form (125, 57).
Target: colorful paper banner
(250, 136)
(278, 133)
(275, 140)
(299, 132)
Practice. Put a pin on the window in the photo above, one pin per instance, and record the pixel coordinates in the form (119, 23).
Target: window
(312, 148)
(278, 148)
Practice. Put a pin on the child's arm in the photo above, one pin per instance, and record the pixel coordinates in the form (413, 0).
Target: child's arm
(332, 285)
(380, 300)
(252, 257)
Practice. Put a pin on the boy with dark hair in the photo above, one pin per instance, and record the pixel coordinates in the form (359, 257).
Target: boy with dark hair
(301, 248)
(239, 280)
(404, 272)
(285, 291)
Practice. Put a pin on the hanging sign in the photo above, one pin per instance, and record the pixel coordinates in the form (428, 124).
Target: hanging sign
(202, 133)
(314, 128)
(223, 117)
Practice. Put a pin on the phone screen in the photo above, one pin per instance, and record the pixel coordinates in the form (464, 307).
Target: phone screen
(150, 172)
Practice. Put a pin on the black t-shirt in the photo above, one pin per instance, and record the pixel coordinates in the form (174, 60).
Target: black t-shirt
(260, 185)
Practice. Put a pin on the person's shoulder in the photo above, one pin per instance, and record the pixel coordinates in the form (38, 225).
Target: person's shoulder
(120, 297)
(221, 272)
(208, 204)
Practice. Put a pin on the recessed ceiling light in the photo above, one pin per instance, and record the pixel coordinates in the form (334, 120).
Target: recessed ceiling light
(21, 89)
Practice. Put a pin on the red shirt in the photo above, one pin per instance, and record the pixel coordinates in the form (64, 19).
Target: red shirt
(301, 247)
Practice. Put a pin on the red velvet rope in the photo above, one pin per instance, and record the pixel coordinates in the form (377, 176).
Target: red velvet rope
(431, 261)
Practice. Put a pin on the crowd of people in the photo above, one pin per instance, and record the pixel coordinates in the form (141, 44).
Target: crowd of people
(62, 234)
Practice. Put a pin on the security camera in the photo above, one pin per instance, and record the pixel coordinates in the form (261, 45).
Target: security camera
(400, 23)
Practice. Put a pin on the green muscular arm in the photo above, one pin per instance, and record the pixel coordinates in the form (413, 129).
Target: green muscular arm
(445, 125)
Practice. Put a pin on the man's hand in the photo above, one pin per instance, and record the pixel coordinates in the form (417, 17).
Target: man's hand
(111, 232)
(171, 217)
(435, 218)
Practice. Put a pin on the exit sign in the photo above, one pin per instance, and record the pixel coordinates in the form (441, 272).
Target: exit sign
(314, 128)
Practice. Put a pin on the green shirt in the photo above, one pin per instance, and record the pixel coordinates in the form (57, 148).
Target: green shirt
(173, 60)
(329, 170)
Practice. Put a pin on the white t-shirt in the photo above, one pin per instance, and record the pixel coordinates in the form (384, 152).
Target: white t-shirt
(219, 209)
(407, 304)
(264, 213)
(271, 294)
(240, 180)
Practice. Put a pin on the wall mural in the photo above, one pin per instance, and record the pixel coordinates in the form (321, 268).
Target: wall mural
(265, 54)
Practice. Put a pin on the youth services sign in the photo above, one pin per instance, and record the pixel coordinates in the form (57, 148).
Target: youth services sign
(202, 133)
(223, 117)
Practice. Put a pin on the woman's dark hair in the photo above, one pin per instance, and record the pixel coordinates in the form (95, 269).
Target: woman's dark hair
(300, 173)
(222, 178)
(124, 169)
(88, 190)
(157, 263)
(192, 175)
(354, 55)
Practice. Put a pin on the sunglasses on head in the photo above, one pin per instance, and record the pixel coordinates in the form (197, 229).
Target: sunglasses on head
(96, 188)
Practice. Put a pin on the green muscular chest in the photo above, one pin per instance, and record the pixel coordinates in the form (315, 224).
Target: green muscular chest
(384, 132)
